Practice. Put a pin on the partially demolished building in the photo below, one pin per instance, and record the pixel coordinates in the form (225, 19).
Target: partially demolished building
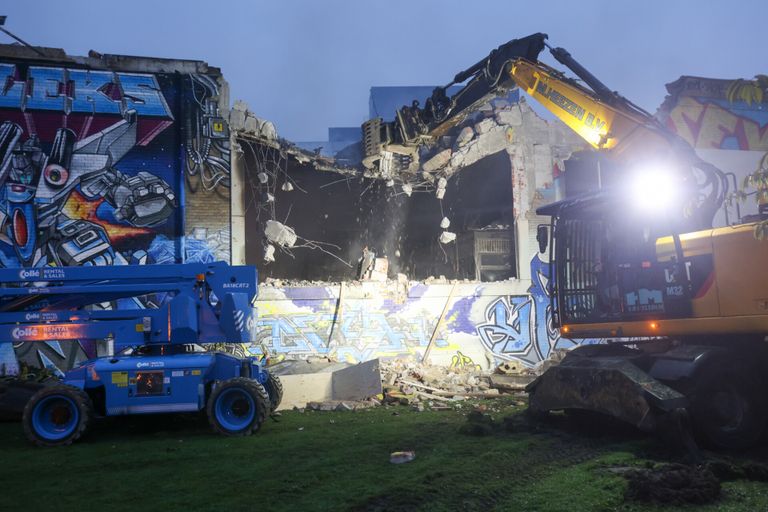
(436, 259)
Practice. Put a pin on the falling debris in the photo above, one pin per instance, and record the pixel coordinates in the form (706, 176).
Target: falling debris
(287, 187)
(390, 183)
(445, 223)
(269, 253)
(447, 237)
(270, 198)
(280, 234)
(441, 184)
(407, 189)
(263, 178)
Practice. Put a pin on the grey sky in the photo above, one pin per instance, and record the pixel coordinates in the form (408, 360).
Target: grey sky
(307, 65)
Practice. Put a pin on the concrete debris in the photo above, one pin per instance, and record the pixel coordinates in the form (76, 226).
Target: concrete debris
(440, 193)
(465, 135)
(407, 382)
(407, 189)
(441, 159)
(287, 187)
(442, 183)
(263, 178)
(511, 117)
(397, 254)
(269, 253)
(243, 120)
(512, 368)
(390, 183)
(270, 198)
(447, 237)
(511, 382)
(280, 234)
(342, 405)
(445, 223)
(484, 126)
(379, 270)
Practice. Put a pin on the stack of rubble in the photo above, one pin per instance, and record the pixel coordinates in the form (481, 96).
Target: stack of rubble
(408, 382)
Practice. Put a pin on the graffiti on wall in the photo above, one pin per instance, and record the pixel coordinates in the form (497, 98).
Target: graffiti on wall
(481, 328)
(719, 114)
(207, 137)
(520, 327)
(93, 170)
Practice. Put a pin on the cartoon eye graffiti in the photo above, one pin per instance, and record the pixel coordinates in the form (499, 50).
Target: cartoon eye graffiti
(55, 175)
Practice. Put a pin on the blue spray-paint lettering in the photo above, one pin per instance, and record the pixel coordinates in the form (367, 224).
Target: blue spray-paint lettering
(11, 91)
(89, 93)
(45, 93)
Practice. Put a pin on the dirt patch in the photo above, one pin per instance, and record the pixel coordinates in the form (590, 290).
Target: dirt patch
(673, 484)
(728, 471)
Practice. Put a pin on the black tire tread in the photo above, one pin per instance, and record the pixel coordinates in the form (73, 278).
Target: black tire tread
(275, 390)
(83, 402)
(261, 399)
(748, 375)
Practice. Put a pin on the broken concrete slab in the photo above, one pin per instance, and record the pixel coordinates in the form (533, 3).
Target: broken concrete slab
(511, 382)
(441, 159)
(331, 382)
(357, 382)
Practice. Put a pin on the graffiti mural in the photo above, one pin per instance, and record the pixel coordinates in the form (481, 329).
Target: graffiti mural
(94, 168)
(485, 324)
(520, 327)
(719, 114)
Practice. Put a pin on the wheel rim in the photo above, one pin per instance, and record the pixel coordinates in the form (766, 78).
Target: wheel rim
(55, 417)
(235, 409)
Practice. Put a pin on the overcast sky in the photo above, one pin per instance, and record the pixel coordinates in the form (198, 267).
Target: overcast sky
(308, 64)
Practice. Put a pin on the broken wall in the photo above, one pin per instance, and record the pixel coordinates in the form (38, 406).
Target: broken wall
(353, 212)
(109, 160)
(467, 324)
(504, 169)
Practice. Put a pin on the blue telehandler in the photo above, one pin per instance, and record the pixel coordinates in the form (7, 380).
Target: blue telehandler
(159, 364)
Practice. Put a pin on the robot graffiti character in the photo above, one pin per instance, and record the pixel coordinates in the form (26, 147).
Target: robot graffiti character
(36, 228)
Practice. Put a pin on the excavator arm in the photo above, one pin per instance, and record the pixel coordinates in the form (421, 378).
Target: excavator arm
(610, 123)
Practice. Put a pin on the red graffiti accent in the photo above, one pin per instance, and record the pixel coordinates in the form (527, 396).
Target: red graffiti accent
(20, 228)
(78, 207)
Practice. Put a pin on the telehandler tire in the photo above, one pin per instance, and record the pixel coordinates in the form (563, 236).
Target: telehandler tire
(57, 415)
(275, 390)
(238, 407)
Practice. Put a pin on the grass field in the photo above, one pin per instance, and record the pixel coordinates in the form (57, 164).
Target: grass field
(340, 461)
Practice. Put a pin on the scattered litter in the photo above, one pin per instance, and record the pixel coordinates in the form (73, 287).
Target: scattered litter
(401, 457)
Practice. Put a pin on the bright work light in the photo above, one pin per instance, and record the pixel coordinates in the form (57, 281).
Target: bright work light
(653, 189)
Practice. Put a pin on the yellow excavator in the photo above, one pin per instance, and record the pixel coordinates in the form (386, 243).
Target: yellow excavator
(682, 306)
